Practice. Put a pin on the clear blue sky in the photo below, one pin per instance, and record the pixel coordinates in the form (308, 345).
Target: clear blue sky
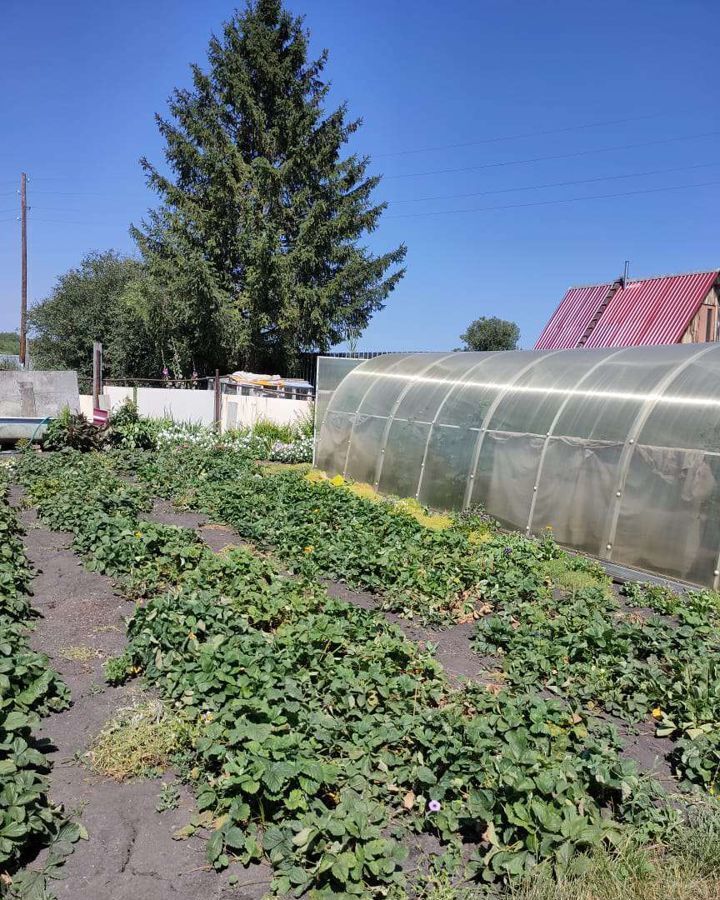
(80, 82)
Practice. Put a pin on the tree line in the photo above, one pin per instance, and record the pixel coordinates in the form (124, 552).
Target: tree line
(254, 252)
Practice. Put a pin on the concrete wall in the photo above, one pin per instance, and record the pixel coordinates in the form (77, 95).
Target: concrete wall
(183, 405)
(37, 394)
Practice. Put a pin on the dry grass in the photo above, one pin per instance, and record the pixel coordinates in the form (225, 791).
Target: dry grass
(80, 653)
(139, 740)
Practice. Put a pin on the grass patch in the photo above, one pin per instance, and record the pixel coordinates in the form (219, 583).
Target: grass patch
(689, 869)
(270, 468)
(576, 573)
(139, 741)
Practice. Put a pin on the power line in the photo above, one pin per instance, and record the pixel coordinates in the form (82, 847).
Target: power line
(553, 184)
(56, 209)
(69, 222)
(447, 212)
(73, 193)
(515, 137)
(535, 159)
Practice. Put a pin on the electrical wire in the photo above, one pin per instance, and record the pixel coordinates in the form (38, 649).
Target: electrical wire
(553, 184)
(70, 193)
(535, 159)
(447, 212)
(69, 222)
(515, 137)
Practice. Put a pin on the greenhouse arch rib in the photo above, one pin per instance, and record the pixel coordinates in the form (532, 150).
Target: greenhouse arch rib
(607, 547)
(502, 393)
(551, 429)
(458, 384)
(396, 405)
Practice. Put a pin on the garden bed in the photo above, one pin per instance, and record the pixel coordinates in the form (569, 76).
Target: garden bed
(326, 735)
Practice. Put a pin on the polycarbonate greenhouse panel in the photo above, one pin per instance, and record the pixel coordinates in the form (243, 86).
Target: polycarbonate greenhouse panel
(616, 450)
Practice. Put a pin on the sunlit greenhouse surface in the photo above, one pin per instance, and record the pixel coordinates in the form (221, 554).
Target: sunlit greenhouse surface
(616, 450)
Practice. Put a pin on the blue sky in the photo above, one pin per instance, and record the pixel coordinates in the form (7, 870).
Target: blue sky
(80, 83)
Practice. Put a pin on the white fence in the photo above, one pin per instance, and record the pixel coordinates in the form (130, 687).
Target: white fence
(198, 406)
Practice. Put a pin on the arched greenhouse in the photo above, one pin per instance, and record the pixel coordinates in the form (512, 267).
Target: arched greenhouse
(618, 450)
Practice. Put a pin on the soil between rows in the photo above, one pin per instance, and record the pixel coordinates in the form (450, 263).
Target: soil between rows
(130, 853)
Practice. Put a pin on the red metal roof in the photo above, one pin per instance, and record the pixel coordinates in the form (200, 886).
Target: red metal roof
(648, 311)
(652, 311)
(569, 321)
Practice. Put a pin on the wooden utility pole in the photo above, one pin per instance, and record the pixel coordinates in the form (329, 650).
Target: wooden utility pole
(23, 295)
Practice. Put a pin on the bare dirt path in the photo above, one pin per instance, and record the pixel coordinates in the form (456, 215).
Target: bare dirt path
(130, 853)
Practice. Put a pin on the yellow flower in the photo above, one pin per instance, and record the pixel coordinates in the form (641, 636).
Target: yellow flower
(138, 534)
(308, 549)
(657, 713)
(337, 481)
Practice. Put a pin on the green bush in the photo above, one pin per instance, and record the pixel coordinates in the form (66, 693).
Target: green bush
(72, 431)
(128, 430)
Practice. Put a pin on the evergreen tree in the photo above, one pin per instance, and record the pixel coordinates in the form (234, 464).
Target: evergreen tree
(257, 238)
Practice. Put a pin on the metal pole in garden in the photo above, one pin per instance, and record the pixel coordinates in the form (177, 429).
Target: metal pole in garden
(97, 374)
(218, 400)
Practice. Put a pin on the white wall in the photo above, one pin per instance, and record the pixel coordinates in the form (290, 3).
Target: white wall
(173, 403)
(241, 410)
(184, 405)
(86, 405)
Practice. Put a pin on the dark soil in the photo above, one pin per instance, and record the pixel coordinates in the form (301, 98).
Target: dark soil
(130, 853)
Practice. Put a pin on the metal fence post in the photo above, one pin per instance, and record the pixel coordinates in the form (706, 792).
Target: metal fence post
(218, 401)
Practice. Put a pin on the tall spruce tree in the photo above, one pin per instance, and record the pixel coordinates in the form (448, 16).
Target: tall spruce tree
(257, 241)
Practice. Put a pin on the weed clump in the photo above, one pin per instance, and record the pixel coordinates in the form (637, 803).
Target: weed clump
(139, 741)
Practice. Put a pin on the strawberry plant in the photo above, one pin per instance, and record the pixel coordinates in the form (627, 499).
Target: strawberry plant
(318, 528)
(28, 689)
(324, 737)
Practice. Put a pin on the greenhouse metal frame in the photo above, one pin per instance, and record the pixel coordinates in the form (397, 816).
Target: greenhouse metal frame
(617, 450)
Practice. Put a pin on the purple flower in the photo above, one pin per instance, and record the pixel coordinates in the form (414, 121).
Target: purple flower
(507, 551)
(434, 806)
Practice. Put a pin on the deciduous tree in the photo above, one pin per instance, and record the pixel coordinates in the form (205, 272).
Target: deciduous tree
(491, 333)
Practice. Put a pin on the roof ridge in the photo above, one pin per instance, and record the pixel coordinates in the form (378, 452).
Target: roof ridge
(716, 271)
(575, 287)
